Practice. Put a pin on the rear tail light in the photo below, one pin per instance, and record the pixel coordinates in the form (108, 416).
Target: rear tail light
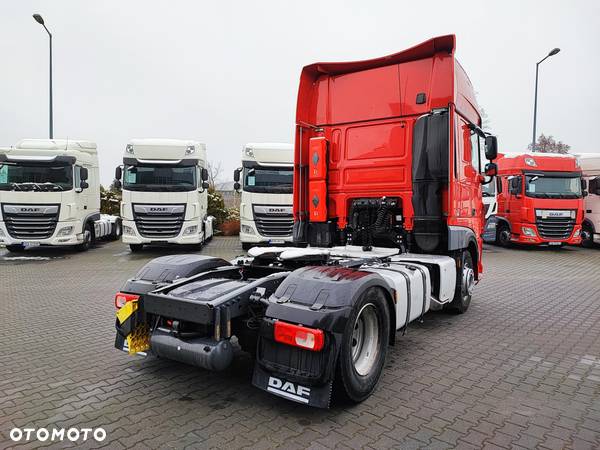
(299, 336)
(121, 298)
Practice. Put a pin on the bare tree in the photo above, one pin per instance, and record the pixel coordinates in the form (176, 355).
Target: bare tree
(214, 172)
(547, 144)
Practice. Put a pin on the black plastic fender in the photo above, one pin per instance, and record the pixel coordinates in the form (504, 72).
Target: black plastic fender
(319, 297)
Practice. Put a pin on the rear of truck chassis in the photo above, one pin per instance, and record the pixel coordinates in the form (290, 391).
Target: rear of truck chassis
(388, 220)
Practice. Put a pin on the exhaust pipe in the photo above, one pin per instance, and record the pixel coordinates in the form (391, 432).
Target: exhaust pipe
(200, 352)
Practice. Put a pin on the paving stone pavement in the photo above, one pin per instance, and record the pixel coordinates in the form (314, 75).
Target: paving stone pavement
(521, 369)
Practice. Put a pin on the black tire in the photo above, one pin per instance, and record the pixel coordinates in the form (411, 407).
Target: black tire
(587, 236)
(503, 234)
(17, 248)
(88, 238)
(117, 231)
(356, 377)
(247, 246)
(136, 247)
(465, 281)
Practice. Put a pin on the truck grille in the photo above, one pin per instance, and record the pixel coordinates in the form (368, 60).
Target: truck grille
(555, 227)
(30, 222)
(159, 221)
(274, 221)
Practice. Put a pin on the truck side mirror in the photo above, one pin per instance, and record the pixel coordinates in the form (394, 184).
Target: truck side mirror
(236, 175)
(584, 186)
(491, 147)
(205, 185)
(118, 173)
(83, 174)
(491, 169)
(117, 184)
(237, 186)
(499, 185)
(204, 174)
(514, 186)
(84, 184)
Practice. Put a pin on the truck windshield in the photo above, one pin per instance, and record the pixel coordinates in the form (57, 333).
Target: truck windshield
(271, 179)
(159, 178)
(552, 187)
(36, 177)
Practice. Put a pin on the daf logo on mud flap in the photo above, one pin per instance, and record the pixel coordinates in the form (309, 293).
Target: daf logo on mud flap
(288, 390)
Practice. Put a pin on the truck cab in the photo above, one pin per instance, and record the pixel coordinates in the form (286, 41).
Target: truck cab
(540, 199)
(164, 185)
(265, 181)
(590, 228)
(50, 195)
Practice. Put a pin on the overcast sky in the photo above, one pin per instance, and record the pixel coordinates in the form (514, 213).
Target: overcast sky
(226, 72)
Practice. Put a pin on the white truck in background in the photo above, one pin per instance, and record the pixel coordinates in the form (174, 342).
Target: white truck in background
(50, 195)
(265, 180)
(490, 206)
(164, 191)
(590, 228)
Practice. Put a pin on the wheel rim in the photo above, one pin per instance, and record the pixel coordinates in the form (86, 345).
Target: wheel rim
(505, 236)
(468, 278)
(586, 235)
(365, 340)
(86, 237)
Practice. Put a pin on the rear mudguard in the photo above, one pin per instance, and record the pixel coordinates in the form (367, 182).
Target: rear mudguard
(156, 273)
(318, 297)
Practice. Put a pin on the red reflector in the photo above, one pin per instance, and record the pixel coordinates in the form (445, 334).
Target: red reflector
(298, 336)
(121, 298)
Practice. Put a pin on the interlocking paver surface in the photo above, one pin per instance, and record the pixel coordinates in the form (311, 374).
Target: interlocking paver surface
(521, 369)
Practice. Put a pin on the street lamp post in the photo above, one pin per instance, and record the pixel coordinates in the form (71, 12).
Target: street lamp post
(553, 52)
(39, 19)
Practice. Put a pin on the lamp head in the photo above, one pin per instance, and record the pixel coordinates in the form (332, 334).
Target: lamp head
(39, 19)
(554, 51)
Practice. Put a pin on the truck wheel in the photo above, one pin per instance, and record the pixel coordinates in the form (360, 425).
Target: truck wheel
(136, 247)
(364, 346)
(88, 239)
(465, 283)
(503, 235)
(15, 248)
(587, 236)
(116, 231)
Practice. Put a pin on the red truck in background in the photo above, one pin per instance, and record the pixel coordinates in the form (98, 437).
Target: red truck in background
(539, 200)
(388, 219)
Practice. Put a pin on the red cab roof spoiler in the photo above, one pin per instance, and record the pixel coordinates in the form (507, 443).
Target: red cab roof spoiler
(426, 49)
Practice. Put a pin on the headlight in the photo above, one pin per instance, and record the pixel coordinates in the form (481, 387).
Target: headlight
(190, 149)
(247, 229)
(530, 162)
(129, 148)
(577, 233)
(65, 231)
(527, 231)
(190, 230)
(128, 230)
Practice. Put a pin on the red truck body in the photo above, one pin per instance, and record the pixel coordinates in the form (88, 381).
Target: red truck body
(404, 127)
(544, 204)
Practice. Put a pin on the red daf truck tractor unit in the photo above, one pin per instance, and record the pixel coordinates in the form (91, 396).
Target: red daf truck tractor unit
(540, 200)
(388, 219)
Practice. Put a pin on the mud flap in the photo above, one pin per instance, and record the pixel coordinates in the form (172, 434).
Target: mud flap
(317, 396)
